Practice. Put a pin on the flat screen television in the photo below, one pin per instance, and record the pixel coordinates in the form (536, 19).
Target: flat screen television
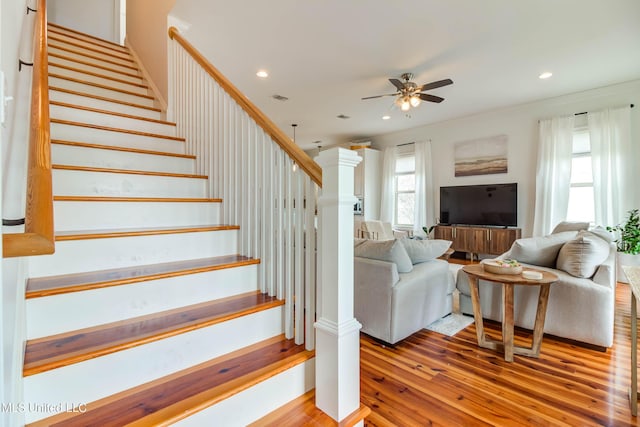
(494, 204)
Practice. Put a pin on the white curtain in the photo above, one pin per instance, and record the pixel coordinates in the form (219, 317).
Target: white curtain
(553, 174)
(423, 212)
(387, 192)
(612, 157)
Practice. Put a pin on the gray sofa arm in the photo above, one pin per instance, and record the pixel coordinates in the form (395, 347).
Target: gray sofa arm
(373, 289)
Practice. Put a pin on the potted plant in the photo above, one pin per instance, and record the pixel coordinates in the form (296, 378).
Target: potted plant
(628, 242)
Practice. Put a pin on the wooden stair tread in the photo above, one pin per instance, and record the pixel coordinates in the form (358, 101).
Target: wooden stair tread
(302, 411)
(118, 148)
(104, 50)
(102, 76)
(62, 236)
(111, 113)
(183, 393)
(100, 86)
(103, 98)
(67, 283)
(95, 58)
(71, 30)
(100, 66)
(44, 354)
(126, 171)
(112, 129)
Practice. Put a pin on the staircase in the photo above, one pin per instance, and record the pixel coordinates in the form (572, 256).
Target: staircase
(146, 314)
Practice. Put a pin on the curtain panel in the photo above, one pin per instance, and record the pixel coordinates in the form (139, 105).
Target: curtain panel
(613, 161)
(424, 202)
(387, 192)
(553, 174)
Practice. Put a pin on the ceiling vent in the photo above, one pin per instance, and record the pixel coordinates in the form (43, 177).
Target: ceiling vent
(280, 97)
(343, 117)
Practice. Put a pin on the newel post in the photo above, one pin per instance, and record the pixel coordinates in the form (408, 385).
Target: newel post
(337, 331)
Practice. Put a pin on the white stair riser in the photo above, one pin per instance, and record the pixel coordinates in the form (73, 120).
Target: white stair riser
(79, 38)
(80, 57)
(105, 81)
(98, 91)
(110, 215)
(110, 120)
(97, 70)
(254, 403)
(87, 101)
(68, 312)
(66, 132)
(95, 157)
(90, 49)
(92, 55)
(102, 254)
(86, 183)
(100, 377)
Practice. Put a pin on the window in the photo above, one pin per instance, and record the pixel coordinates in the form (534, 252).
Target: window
(581, 199)
(405, 190)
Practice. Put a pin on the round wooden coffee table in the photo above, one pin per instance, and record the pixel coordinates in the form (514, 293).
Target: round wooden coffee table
(508, 281)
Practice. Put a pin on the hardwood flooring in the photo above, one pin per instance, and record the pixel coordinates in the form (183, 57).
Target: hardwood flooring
(432, 379)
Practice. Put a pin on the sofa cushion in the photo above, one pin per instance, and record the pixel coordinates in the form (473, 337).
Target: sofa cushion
(581, 256)
(602, 232)
(385, 250)
(541, 251)
(425, 250)
(570, 226)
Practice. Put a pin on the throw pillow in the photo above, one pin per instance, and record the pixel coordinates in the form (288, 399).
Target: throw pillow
(570, 226)
(581, 256)
(385, 250)
(425, 250)
(541, 251)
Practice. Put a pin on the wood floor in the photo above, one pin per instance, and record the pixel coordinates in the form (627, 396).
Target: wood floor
(431, 379)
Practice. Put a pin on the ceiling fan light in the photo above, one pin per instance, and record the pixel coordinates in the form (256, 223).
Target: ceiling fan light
(405, 105)
(415, 101)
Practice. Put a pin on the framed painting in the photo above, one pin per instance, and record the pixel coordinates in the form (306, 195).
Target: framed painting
(482, 156)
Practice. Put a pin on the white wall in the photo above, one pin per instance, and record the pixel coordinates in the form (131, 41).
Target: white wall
(14, 42)
(520, 124)
(99, 18)
(147, 36)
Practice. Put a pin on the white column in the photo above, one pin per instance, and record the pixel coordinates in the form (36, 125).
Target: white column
(337, 331)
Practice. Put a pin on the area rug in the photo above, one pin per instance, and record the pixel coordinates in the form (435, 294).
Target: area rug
(451, 324)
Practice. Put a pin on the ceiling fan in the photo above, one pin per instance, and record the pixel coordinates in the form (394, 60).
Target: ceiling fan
(410, 94)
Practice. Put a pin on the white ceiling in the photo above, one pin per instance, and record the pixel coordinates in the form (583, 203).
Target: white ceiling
(324, 55)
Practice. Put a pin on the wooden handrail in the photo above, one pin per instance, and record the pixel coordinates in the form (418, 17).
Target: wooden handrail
(295, 152)
(37, 238)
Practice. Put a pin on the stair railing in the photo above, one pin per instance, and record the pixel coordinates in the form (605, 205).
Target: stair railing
(268, 184)
(38, 237)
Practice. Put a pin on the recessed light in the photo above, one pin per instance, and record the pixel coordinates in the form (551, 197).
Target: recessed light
(263, 74)
(386, 117)
(545, 75)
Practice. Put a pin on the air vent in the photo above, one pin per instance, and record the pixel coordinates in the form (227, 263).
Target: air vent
(280, 97)
(316, 142)
(343, 117)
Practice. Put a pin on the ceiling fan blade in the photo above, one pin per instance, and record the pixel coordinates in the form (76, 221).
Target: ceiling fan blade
(380, 96)
(397, 83)
(430, 98)
(434, 85)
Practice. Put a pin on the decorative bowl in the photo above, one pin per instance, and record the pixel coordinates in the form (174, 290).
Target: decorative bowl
(500, 266)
